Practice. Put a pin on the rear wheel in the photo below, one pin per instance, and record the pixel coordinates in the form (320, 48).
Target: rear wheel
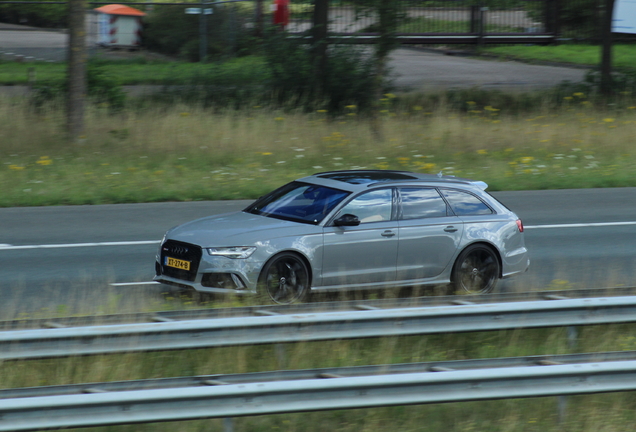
(284, 279)
(476, 270)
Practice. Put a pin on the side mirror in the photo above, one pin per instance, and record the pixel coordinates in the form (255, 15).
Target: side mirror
(347, 220)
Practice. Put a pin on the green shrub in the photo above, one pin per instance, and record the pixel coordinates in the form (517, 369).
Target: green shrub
(347, 77)
(102, 89)
(45, 15)
(579, 19)
(169, 30)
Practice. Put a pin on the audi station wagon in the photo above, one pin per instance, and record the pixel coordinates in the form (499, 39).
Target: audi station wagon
(350, 230)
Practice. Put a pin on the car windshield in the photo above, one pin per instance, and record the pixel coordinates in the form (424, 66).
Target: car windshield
(299, 202)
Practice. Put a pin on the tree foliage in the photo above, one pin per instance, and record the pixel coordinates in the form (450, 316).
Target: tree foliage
(35, 15)
(169, 30)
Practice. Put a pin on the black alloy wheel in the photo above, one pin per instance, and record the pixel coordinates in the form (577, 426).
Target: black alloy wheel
(285, 279)
(476, 270)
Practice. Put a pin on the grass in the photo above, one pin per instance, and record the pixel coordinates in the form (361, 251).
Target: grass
(141, 71)
(186, 153)
(624, 56)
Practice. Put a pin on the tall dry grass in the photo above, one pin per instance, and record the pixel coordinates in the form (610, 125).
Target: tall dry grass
(186, 153)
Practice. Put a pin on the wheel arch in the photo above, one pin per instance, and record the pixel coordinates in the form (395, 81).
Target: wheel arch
(299, 254)
(478, 243)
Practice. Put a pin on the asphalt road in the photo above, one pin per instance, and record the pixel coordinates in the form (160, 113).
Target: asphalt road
(54, 256)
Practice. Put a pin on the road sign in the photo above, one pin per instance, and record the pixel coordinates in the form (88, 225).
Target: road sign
(624, 16)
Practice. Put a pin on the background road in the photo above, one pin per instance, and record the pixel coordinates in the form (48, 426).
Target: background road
(44, 265)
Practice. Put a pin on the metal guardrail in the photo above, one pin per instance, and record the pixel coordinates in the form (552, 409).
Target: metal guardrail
(322, 373)
(213, 401)
(235, 331)
(312, 307)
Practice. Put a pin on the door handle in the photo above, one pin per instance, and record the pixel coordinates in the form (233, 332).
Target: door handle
(388, 233)
(450, 229)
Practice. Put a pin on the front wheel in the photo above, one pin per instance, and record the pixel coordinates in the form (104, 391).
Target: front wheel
(285, 279)
(476, 270)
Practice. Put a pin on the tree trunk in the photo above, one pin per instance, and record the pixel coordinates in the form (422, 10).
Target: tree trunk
(319, 39)
(606, 53)
(76, 73)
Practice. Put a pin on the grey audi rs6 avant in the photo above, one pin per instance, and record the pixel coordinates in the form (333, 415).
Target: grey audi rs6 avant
(347, 230)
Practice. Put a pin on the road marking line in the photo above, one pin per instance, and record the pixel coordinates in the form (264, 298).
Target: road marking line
(74, 245)
(580, 225)
(133, 283)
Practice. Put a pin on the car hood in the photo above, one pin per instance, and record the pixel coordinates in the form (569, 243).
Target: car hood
(237, 229)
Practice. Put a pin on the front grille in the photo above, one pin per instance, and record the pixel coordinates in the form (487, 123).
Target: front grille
(181, 251)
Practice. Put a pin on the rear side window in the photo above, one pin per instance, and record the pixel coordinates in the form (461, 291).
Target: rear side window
(418, 203)
(465, 204)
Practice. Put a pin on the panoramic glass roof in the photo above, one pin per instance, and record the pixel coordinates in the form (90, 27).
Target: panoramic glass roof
(365, 177)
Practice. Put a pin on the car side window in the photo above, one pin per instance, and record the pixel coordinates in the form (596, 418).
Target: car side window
(465, 204)
(419, 203)
(374, 206)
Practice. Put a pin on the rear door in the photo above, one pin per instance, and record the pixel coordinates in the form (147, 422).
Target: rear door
(429, 233)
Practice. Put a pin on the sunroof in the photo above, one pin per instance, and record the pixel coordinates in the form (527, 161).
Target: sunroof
(365, 177)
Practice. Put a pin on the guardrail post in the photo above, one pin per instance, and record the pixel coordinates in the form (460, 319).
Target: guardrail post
(228, 424)
(573, 336)
(562, 406)
(281, 355)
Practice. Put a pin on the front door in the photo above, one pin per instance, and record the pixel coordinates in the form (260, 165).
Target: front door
(367, 253)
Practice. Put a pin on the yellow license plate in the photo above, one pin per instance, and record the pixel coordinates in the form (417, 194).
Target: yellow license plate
(177, 263)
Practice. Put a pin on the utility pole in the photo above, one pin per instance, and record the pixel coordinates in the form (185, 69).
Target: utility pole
(76, 73)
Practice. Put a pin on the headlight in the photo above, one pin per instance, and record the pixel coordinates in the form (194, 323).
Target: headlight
(232, 252)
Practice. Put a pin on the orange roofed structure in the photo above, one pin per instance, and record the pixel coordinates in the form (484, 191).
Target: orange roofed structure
(119, 25)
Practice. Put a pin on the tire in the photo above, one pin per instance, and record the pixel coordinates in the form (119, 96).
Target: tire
(284, 279)
(476, 270)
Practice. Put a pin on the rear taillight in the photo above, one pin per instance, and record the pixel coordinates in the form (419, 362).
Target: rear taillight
(520, 225)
